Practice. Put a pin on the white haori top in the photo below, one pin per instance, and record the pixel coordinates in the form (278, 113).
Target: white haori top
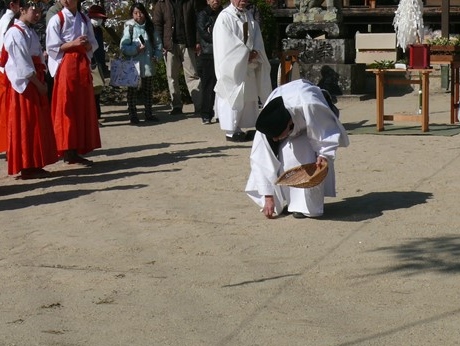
(317, 132)
(231, 59)
(57, 35)
(21, 46)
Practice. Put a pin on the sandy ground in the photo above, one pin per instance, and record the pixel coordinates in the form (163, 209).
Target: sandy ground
(157, 244)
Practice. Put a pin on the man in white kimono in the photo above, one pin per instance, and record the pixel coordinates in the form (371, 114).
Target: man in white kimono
(296, 126)
(242, 70)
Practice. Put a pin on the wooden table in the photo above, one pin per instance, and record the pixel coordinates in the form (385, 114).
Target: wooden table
(423, 80)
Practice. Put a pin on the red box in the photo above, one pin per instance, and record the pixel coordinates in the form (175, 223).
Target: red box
(419, 56)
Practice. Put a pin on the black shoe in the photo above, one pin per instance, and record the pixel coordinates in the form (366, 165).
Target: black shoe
(250, 135)
(134, 120)
(176, 111)
(285, 211)
(206, 121)
(298, 215)
(237, 137)
(151, 118)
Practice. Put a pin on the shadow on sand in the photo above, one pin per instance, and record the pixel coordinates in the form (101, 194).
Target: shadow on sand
(372, 205)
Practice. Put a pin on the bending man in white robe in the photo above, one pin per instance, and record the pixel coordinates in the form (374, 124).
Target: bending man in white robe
(296, 126)
(242, 69)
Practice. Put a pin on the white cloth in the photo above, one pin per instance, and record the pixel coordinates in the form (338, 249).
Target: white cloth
(239, 83)
(21, 47)
(317, 132)
(4, 21)
(56, 36)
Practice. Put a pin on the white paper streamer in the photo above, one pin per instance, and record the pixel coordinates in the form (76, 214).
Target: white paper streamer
(408, 23)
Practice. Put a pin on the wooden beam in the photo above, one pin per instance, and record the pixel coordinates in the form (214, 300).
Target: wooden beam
(445, 6)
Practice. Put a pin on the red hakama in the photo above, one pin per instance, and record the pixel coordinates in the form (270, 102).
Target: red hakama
(4, 89)
(73, 108)
(31, 142)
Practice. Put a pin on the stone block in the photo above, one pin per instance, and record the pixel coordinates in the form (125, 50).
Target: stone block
(338, 79)
(326, 51)
(375, 47)
(302, 30)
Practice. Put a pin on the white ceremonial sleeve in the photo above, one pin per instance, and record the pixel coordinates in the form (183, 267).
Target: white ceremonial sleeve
(4, 22)
(54, 41)
(19, 67)
(87, 29)
(56, 36)
(264, 172)
(325, 132)
(264, 84)
(230, 61)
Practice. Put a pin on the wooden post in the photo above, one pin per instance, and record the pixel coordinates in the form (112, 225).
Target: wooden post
(380, 86)
(425, 100)
(445, 6)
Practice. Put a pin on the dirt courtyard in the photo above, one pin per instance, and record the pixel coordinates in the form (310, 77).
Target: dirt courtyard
(157, 244)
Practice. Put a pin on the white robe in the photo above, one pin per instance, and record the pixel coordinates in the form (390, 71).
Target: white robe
(56, 36)
(4, 21)
(21, 47)
(239, 83)
(317, 132)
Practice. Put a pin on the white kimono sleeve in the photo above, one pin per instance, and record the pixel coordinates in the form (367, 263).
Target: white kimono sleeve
(230, 61)
(264, 172)
(57, 35)
(325, 132)
(19, 67)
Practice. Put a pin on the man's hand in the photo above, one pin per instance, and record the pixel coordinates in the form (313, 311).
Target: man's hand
(320, 161)
(269, 207)
(253, 55)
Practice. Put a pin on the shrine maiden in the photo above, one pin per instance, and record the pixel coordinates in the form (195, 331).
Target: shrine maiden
(31, 142)
(70, 44)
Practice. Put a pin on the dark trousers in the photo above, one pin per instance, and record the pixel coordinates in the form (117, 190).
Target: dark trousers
(146, 91)
(97, 99)
(208, 82)
(50, 85)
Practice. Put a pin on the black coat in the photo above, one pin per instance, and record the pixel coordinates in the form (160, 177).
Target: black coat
(204, 25)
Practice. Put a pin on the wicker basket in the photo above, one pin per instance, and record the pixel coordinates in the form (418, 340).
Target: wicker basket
(304, 176)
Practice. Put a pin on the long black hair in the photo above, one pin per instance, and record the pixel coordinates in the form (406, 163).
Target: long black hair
(2, 8)
(148, 20)
(5, 5)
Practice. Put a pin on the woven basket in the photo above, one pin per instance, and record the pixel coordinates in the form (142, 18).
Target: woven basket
(304, 176)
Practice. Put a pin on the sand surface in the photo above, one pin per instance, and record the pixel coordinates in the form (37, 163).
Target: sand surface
(157, 244)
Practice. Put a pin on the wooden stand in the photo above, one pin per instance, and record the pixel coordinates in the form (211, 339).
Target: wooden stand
(423, 81)
(454, 63)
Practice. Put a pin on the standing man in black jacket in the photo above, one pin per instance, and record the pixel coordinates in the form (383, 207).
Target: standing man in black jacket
(205, 23)
(175, 21)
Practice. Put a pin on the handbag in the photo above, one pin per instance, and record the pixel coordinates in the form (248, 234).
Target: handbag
(124, 73)
(98, 79)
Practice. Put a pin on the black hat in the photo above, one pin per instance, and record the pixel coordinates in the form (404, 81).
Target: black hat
(274, 118)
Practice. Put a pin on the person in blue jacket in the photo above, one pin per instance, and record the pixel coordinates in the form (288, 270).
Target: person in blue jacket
(143, 44)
